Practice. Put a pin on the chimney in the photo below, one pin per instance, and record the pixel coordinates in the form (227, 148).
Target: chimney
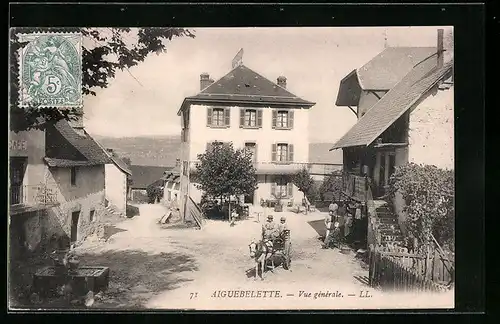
(440, 48)
(205, 81)
(76, 120)
(282, 81)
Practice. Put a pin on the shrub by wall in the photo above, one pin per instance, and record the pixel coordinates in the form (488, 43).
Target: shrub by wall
(429, 197)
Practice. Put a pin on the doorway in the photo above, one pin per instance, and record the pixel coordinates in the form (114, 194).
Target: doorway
(387, 165)
(17, 168)
(74, 226)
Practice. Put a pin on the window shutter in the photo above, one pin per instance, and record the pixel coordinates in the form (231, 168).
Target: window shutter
(290, 118)
(273, 188)
(242, 117)
(255, 153)
(259, 117)
(227, 116)
(273, 153)
(290, 189)
(209, 116)
(275, 116)
(290, 152)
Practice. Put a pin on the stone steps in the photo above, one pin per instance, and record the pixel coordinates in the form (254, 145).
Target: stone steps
(388, 227)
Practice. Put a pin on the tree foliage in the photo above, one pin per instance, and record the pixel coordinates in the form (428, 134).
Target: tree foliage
(105, 50)
(223, 171)
(155, 191)
(331, 184)
(303, 181)
(429, 197)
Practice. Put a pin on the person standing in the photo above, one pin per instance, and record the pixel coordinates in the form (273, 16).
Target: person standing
(329, 220)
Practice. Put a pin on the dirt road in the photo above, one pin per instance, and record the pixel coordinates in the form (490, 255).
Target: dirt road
(153, 267)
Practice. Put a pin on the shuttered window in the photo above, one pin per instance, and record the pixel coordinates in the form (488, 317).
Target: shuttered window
(282, 153)
(218, 117)
(250, 118)
(212, 143)
(283, 119)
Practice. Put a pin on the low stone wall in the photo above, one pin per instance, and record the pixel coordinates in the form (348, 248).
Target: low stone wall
(50, 228)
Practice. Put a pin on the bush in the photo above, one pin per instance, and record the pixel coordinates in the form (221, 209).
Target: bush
(154, 192)
(331, 187)
(429, 197)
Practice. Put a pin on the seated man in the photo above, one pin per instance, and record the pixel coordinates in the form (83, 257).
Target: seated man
(269, 229)
(282, 227)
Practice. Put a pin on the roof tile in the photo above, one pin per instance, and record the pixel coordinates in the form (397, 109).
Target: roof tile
(63, 143)
(245, 85)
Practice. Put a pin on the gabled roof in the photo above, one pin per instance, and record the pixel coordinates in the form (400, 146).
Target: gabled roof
(243, 85)
(386, 69)
(395, 103)
(65, 147)
(381, 73)
(120, 164)
(144, 175)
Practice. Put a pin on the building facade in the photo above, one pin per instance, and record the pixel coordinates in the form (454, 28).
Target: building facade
(57, 181)
(117, 173)
(255, 114)
(412, 122)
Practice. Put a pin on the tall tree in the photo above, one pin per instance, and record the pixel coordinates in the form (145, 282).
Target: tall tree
(303, 180)
(105, 50)
(224, 172)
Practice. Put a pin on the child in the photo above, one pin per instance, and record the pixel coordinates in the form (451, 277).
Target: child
(234, 216)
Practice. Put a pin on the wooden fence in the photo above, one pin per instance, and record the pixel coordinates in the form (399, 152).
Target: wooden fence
(403, 271)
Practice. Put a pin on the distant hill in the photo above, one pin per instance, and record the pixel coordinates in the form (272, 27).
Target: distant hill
(319, 153)
(163, 150)
(153, 151)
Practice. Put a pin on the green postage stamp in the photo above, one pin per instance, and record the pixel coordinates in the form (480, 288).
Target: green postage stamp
(50, 67)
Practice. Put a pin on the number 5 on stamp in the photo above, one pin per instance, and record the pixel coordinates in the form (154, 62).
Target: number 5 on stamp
(50, 68)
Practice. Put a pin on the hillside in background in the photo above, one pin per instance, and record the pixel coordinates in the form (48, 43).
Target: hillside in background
(162, 151)
(154, 151)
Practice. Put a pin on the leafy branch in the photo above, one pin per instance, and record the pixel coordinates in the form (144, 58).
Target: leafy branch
(105, 50)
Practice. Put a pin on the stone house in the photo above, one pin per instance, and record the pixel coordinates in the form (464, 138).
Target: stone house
(412, 122)
(254, 113)
(57, 183)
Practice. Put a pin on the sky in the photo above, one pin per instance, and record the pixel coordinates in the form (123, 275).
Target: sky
(144, 100)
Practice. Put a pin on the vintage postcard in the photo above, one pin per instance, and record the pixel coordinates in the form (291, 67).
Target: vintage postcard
(232, 169)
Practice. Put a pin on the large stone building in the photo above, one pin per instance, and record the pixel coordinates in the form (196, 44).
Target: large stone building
(252, 112)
